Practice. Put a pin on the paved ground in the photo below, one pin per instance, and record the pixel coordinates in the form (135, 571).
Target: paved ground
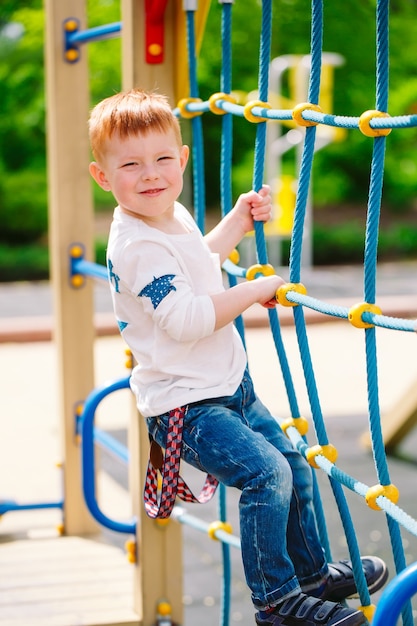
(29, 401)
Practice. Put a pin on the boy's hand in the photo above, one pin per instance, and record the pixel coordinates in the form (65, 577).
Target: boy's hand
(254, 207)
(267, 287)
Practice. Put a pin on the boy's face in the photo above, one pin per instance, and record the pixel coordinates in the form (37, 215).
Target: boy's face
(144, 173)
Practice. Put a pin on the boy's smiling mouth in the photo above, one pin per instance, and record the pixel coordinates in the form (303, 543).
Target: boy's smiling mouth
(152, 192)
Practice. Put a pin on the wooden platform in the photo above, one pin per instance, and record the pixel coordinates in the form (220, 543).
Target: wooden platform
(65, 581)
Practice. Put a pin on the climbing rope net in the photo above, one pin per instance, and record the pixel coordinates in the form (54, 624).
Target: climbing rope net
(376, 124)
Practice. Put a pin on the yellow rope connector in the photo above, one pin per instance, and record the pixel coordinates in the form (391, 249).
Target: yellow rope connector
(220, 96)
(182, 105)
(297, 113)
(234, 256)
(254, 270)
(247, 111)
(389, 491)
(300, 423)
(130, 547)
(364, 124)
(356, 311)
(282, 291)
(328, 451)
(368, 611)
(215, 526)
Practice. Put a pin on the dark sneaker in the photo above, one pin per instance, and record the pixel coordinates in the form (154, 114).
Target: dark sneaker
(304, 610)
(341, 584)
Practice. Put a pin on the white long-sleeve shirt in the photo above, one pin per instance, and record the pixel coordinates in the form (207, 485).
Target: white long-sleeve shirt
(161, 286)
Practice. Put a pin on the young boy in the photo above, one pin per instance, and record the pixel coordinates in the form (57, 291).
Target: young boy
(177, 319)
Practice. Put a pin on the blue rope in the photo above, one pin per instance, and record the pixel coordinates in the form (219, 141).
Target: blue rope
(337, 477)
(316, 48)
(260, 141)
(197, 130)
(226, 205)
(227, 570)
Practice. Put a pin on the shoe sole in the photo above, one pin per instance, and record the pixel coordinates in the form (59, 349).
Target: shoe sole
(345, 620)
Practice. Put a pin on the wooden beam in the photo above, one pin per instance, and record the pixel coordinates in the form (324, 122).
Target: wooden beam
(70, 220)
(158, 575)
(398, 422)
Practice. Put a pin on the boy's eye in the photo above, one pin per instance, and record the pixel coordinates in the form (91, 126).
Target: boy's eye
(130, 164)
(164, 158)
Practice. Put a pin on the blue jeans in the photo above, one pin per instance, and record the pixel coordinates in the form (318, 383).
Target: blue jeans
(237, 440)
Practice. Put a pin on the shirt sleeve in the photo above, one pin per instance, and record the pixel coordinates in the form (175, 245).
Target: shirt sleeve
(166, 293)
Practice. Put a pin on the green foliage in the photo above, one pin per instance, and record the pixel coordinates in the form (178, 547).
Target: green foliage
(32, 262)
(24, 208)
(338, 244)
(24, 262)
(104, 57)
(23, 184)
(22, 105)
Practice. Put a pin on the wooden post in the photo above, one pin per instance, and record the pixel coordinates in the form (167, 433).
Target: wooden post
(70, 221)
(135, 71)
(158, 575)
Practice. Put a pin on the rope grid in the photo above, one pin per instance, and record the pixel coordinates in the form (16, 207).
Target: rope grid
(376, 124)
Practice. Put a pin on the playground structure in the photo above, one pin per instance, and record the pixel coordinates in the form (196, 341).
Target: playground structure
(71, 232)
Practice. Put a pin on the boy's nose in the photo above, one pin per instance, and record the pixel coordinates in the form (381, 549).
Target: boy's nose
(150, 172)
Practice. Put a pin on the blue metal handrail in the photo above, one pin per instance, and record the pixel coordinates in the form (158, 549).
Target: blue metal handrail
(88, 456)
(394, 597)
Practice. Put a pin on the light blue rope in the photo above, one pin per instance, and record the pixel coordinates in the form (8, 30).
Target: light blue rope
(327, 119)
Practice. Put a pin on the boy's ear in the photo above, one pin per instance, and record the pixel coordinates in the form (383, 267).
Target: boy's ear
(99, 176)
(184, 154)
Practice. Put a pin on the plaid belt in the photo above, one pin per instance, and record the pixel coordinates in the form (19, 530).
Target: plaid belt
(169, 466)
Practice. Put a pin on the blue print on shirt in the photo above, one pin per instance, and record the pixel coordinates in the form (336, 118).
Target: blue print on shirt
(158, 289)
(121, 325)
(114, 278)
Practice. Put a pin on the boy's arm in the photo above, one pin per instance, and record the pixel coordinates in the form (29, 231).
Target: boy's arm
(250, 207)
(231, 303)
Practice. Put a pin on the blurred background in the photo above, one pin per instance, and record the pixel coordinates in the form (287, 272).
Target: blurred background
(341, 170)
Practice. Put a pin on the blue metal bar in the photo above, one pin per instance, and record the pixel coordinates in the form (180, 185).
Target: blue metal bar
(394, 596)
(98, 33)
(111, 445)
(182, 517)
(88, 456)
(88, 268)
(11, 505)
